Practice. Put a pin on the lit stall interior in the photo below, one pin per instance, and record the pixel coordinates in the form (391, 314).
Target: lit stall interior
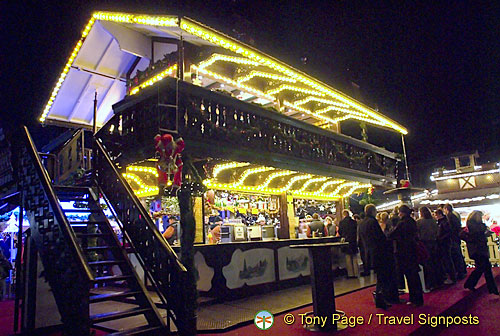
(244, 201)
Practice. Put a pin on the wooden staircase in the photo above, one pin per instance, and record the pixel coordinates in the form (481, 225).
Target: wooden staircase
(85, 264)
(110, 265)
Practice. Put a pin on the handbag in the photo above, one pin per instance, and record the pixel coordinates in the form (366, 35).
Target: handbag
(422, 253)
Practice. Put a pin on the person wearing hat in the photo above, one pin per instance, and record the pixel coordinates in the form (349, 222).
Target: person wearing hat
(170, 233)
(405, 234)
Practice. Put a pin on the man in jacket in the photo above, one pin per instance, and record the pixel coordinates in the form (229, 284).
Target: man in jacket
(405, 235)
(380, 248)
(456, 248)
(348, 229)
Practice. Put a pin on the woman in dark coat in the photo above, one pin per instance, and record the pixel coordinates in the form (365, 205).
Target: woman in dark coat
(405, 235)
(428, 230)
(444, 247)
(476, 237)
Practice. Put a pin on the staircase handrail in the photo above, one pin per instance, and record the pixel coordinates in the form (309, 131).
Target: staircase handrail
(56, 208)
(147, 219)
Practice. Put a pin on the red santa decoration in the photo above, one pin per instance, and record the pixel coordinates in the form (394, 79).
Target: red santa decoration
(169, 159)
(404, 184)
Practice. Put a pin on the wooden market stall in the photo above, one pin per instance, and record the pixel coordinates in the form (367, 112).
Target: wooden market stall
(191, 123)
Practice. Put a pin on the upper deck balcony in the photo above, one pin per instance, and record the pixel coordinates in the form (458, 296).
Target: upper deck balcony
(215, 125)
(268, 113)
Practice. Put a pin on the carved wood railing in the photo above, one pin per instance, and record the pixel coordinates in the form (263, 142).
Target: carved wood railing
(159, 260)
(214, 119)
(63, 260)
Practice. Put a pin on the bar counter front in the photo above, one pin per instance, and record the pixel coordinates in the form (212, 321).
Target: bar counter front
(238, 269)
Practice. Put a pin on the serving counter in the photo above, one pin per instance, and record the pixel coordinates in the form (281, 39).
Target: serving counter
(235, 270)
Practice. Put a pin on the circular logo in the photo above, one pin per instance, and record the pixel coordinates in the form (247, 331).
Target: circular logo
(263, 320)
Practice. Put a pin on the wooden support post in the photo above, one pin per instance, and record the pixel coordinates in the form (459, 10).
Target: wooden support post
(199, 218)
(292, 222)
(188, 285)
(284, 230)
(339, 207)
(94, 124)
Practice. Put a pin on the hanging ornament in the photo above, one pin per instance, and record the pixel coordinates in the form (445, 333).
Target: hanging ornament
(168, 152)
(404, 184)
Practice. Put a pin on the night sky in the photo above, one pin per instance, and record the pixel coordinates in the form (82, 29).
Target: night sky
(432, 67)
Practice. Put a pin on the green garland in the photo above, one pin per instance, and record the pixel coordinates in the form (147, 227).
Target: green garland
(244, 130)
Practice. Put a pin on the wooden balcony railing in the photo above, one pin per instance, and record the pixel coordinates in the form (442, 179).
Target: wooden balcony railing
(213, 119)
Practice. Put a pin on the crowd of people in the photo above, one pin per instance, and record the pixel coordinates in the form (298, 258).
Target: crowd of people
(395, 245)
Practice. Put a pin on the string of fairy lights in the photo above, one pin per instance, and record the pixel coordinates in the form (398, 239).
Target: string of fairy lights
(249, 56)
(298, 185)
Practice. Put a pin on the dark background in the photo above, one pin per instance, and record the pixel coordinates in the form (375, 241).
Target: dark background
(431, 66)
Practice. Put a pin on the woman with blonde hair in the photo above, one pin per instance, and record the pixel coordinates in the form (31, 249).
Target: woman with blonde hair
(330, 227)
(384, 222)
(475, 234)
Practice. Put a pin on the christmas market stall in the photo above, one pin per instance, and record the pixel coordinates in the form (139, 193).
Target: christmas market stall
(217, 148)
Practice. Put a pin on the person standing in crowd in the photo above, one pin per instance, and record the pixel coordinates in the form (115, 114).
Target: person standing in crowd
(5, 267)
(315, 228)
(428, 234)
(380, 249)
(171, 228)
(475, 235)
(5, 245)
(385, 222)
(444, 247)
(330, 227)
(366, 257)
(361, 247)
(456, 248)
(386, 227)
(405, 235)
(394, 217)
(348, 229)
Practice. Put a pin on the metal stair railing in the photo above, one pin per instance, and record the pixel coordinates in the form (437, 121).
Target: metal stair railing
(159, 259)
(65, 266)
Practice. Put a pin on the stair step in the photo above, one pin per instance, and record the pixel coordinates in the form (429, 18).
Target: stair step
(78, 210)
(106, 262)
(71, 189)
(89, 235)
(111, 296)
(86, 222)
(147, 329)
(116, 315)
(98, 248)
(111, 278)
(63, 198)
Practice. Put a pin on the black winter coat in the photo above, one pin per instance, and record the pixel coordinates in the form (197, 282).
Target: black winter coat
(348, 229)
(405, 235)
(375, 241)
(477, 241)
(444, 232)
